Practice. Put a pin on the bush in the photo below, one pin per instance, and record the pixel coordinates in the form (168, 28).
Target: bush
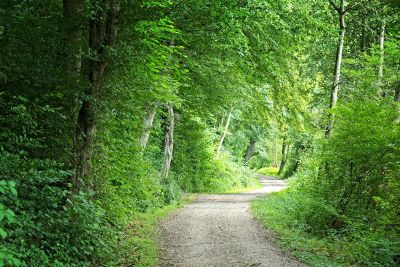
(7, 218)
(344, 207)
(196, 166)
(272, 171)
(360, 163)
(47, 226)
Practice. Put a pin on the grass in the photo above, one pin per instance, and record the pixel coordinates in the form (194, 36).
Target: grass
(255, 185)
(284, 214)
(274, 212)
(139, 244)
(270, 171)
(140, 235)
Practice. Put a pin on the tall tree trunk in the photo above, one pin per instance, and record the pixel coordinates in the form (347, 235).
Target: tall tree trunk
(102, 34)
(169, 142)
(284, 155)
(147, 125)
(382, 58)
(275, 164)
(250, 150)
(297, 155)
(73, 20)
(338, 63)
(228, 120)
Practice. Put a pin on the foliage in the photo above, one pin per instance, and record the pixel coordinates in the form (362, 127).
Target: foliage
(138, 246)
(7, 218)
(272, 171)
(42, 228)
(341, 206)
(344, 206)
(83, 83)
(358, 245)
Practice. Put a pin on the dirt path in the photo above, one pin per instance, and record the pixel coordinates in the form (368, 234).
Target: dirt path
(218, 230)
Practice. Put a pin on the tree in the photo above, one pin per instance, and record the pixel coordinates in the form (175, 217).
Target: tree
(103, 29)
(224, 132)
(110, 109)
(285, 151)
(147, 125)
(341, 9)
(169, 141)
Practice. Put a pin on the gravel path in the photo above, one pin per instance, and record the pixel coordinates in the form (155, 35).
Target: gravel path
(218, 230)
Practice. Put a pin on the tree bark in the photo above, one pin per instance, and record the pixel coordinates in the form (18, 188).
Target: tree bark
(296, 165)
(169, 142)
(102, 34)
(284, 155)
(275, 164)
(250, 150)
(73, 20)
(338, 63)
(382, 58)
(228, 120)
(147, 125)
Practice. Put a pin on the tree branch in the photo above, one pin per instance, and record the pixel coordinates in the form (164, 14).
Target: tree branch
(351, 7)
(335, 6)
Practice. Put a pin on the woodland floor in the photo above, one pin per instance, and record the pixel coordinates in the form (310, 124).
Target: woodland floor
(219, 230)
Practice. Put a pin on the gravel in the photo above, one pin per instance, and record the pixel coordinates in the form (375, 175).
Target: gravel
(218, 230)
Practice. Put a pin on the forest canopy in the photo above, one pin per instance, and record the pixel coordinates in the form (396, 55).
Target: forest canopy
(113, 109)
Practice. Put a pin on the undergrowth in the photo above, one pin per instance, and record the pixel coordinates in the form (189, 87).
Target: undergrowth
(139, 240)
(291, 214)
(271, 171)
